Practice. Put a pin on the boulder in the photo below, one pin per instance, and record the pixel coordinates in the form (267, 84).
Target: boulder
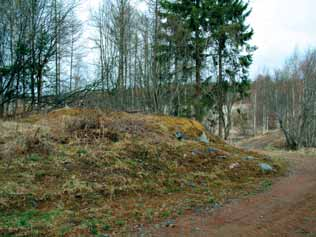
(265, 168)
(203, 138)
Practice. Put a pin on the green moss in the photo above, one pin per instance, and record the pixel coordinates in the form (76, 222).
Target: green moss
(120, 223)
(33, 157)
(166, 213)
(28, 218)
(106, 227)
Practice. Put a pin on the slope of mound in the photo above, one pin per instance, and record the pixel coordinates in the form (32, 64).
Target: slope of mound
(79, 172)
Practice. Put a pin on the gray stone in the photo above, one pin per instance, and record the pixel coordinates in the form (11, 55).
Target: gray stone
(265, 168)
(170, 223)
(195, 229)
(196, 152)
(221, 157)
(203, 138)
(211, 150)
(248, 158)
(216, 205)
(179, 135)
(191, 184)
(234, 166)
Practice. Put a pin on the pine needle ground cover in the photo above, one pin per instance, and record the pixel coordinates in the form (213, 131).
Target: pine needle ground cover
(76, 172)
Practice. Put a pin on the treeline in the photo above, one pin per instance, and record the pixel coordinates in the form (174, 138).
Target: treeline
(39, 58)
(185, 58)
(287, 99)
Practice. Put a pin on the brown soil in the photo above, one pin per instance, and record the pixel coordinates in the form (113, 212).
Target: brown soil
(287, 209)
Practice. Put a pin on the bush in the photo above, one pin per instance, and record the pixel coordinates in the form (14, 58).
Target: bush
(36, 145)
(81, 123)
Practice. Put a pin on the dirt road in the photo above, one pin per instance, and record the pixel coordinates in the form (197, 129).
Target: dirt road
(287, 209)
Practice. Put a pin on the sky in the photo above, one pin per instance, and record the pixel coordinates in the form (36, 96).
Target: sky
(280, 26)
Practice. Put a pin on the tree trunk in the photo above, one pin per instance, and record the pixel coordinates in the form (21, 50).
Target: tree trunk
(198, 65)
(1, 97)
(255, 114)
(39, 87)
(71, 62)
(155, 58)
(220, 94)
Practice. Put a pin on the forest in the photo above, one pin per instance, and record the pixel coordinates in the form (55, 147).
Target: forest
(183, 58)
(167, 60)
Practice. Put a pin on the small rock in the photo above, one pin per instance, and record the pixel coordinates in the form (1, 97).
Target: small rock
(216, 205)
(198, 210)
(179, 135)
(265, 168)
(197, 152)
(234, 166)
(221, 157)
(68, 165)
(248, 158)
(195, 229)
(203, 138)
(170, 223)
(211, 150)
(191, 184)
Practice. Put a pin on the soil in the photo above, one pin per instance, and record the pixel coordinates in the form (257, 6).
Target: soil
(288, 208)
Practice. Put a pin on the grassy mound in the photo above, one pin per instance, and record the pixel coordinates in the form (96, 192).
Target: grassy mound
(79, 172)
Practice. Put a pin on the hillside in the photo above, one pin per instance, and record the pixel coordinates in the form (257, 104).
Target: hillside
(87, 172)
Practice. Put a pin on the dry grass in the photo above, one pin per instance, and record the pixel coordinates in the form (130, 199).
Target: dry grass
(85, 172)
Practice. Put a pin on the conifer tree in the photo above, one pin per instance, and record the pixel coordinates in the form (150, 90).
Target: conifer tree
(232, 52)
(193, 14)
(218, 28)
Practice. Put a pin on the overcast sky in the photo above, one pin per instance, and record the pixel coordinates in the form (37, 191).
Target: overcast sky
(280, 26)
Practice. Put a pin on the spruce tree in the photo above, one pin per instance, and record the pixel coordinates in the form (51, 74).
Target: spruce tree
(232, 51)
(193, 15)
(217, 28)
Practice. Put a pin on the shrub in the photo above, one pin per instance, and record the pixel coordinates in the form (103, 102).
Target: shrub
(36, 145)
(75, 124)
